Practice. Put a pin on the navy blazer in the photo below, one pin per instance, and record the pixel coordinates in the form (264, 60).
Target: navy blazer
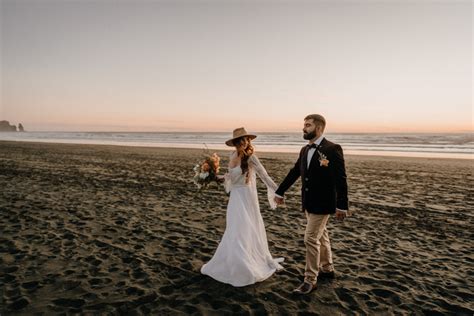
(323, 188)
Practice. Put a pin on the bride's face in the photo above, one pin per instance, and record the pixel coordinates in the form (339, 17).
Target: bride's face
(243, 143)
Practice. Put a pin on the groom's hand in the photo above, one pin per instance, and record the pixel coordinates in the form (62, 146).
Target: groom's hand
(340, 215)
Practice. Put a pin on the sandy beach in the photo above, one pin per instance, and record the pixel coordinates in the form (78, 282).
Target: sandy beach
(108, 229)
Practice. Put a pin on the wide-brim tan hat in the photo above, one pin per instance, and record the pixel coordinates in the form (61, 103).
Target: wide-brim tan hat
(239, 132)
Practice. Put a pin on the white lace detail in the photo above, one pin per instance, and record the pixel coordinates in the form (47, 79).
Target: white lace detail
(262, 174)
(234, 178)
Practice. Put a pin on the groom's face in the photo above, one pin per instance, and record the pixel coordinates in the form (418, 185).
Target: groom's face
(310, 130)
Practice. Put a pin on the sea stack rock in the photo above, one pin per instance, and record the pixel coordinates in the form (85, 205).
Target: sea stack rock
(20, 128)
(6, 127)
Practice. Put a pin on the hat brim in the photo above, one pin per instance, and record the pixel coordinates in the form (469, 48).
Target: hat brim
(230, 142)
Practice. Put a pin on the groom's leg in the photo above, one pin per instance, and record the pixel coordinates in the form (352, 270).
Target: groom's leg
(326, 254)
(314, 231)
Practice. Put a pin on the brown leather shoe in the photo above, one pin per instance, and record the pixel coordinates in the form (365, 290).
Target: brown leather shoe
(305, 288)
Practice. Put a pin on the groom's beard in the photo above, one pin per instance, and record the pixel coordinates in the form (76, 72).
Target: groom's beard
(310, 135)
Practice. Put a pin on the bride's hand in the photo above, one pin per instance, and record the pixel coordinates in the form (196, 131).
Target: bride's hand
(220, 179)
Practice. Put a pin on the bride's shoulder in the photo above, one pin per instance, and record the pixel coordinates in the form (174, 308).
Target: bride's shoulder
(253, 158)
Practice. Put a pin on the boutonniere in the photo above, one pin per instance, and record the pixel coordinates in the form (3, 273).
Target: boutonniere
(323, 160)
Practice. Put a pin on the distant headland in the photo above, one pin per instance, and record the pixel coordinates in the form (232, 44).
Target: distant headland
(6, 127)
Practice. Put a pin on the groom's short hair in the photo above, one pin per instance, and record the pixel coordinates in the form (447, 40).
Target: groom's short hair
(317, 119)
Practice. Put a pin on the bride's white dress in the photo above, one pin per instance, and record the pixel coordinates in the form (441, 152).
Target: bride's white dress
(242, 257)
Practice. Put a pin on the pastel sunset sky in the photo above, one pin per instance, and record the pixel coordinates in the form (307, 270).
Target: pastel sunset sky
(367, 66)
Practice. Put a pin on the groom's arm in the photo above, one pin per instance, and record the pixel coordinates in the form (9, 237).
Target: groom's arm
(291, 177)
(342, 202)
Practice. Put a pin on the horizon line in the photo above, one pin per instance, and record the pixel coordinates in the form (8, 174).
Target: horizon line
(255, 131)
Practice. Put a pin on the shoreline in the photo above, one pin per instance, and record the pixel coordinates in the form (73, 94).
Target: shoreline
(260, 152)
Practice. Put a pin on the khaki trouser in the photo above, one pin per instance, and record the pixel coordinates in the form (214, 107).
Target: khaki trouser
(318, 247)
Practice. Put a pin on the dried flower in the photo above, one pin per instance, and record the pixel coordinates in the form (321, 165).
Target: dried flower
(207, 171)
(323, 161)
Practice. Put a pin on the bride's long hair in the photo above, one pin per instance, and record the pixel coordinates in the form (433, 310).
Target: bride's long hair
(244, 153)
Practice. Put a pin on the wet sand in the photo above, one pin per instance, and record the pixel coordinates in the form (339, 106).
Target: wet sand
(108, 229)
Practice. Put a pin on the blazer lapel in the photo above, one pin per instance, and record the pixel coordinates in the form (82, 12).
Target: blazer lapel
(323, 144)
(304, 159)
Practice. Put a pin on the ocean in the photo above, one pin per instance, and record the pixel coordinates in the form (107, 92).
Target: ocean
(460, 145)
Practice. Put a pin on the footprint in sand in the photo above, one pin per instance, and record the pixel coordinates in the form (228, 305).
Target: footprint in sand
(132, 290)
(18, 304)
(9, 278)
(11, 269)
(30, 286)
(71, 284)
(345, 295)
(166, 290)
(139, 274)
(68, 302)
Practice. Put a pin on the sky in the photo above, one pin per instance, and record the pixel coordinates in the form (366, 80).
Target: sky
(367, 66)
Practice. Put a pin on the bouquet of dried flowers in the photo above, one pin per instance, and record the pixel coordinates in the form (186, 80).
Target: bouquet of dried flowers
(206, 171)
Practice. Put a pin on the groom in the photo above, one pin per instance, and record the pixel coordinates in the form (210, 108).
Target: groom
(323, 192)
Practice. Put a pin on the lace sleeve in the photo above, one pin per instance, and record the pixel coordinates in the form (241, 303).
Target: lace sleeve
(262, 174)
(227, 180)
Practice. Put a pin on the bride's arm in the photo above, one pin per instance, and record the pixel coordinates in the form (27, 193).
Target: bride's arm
(262, 174)
(226, 177)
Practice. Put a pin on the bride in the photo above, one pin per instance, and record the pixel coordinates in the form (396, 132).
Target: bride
(243, 257)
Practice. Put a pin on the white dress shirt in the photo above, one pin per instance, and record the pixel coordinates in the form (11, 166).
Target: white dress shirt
(311, 151)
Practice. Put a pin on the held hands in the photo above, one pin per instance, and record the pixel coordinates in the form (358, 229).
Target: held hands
(279, 200)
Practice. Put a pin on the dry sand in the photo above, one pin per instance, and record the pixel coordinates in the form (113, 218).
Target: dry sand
(99, 229)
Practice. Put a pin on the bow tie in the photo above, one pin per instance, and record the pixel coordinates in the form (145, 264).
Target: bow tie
(312, 146)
